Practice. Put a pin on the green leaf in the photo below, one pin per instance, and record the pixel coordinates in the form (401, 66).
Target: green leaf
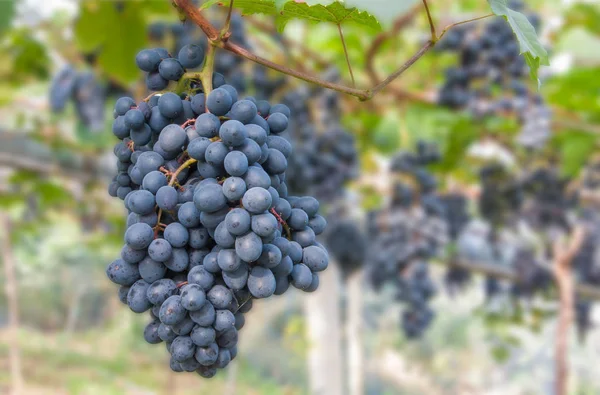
(584, 15)
(284, 11)
(116, 35)
(7, 12)
(386, 137)
(576, 91)
(530, 45)
(575, 148)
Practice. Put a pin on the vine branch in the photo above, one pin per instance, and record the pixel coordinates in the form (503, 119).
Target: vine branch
(188, 8)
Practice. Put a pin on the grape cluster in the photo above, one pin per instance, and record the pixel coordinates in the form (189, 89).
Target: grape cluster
(457, 218)
(323, 162)
(346, 241)
(501, 194)
(210, 226)
(86, 92)
(407, 234)
(491, 77)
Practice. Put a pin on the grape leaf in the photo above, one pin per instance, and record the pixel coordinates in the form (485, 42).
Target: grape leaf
(116, 35)
(531, 48)
(585, 15)
(7, 12)
(285, 10)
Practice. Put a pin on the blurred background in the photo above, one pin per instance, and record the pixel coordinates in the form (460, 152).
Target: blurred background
(444, 196)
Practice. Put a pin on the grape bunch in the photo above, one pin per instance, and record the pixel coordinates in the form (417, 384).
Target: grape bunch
(457, 218)
(345, 240)
(491, 78)
(408, 233)
(323, 162)
(86, 92)
(210, 226)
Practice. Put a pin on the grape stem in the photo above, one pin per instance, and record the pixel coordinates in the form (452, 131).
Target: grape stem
(286, 227)
(214, 37)
(172, 181)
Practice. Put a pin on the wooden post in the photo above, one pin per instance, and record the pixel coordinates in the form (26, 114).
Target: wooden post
(14, 351)
(322, 314)
(354, 316)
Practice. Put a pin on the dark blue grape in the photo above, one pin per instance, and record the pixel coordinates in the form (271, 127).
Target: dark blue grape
(205, 316)
(148, 60)
(224, 320)
(207, 356)
(277, 123)
(203, 336)
(157, 121)
(243, 111)
(170, 105)
(232, 92)
(228, 260)
(198, 103)
(192, 297)
(139, 236)
(166, 333)
(248, 247)
(238, 221)
(152, 270)
(155, 82)
(199, 237)
(222, 237)
(130, 255)
(122, 273)
(298, 219)
(264, 225)
(251, 149)
(172, 311)
(172, 138)
(178, 261)
(280, 108)
(209, 198)
(219, 296)
(261, 282)
(257, 177)
(160, 250)
(182, 348)
(270, 257)
(219, 102)
(141, 136)
(161, 290)
(305, 237)
(191, 56)
(188, 215)
(257, 200)
(153, 181)
(237, 279)
(315, 258)
(177, 235)
(208, 125)
(233, 133)
(136, 297)
(280, 144)
(236, 163)
(234, 188)
(202, 277)
(123, 105)
(301, 276)
(170, 69)
(167, 198)
(151, 332)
